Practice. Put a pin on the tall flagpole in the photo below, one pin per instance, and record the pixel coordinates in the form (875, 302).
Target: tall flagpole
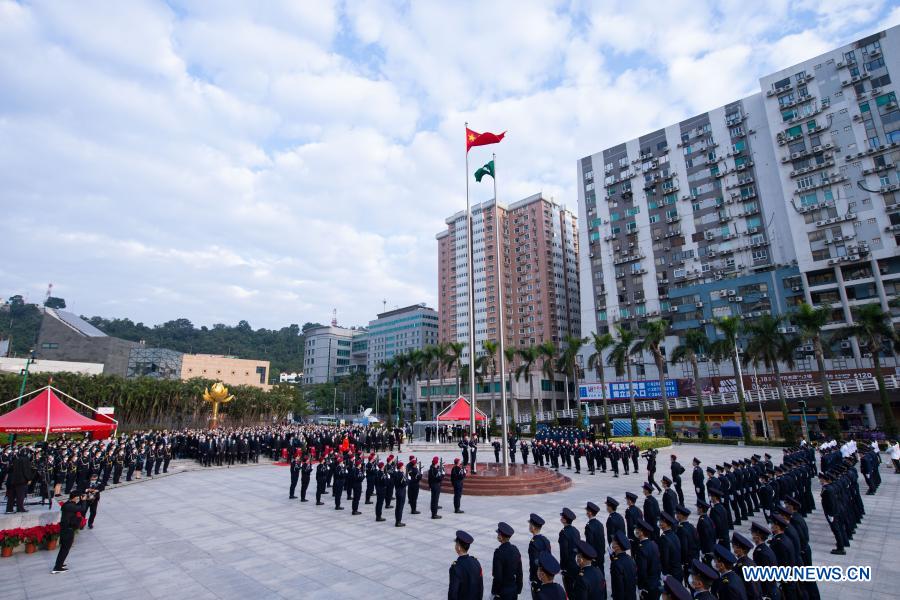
(470, 249)
(502, 318)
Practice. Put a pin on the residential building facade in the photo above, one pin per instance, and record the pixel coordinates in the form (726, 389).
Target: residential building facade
(398, 331)
(227, 369)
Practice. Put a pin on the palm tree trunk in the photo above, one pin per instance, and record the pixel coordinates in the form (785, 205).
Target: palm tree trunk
(660, 365)
(745, 424)
(634, 424)
(890, 427)
(703, 430)
(602, 378)
(834, 429)
(788, 433)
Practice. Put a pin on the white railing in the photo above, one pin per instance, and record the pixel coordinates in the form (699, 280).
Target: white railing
(791, 392)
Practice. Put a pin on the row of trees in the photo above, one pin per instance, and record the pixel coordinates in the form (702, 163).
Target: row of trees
(766, 342)
(146, 402)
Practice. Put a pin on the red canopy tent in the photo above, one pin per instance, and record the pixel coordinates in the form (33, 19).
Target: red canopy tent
(460, 410)
(48, 414)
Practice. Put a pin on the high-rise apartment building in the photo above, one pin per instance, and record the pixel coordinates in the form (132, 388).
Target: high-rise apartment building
(539, 249)
(784, 196)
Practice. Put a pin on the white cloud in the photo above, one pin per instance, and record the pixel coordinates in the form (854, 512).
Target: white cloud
(272, 161)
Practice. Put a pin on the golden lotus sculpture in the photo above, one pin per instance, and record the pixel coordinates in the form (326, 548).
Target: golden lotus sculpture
(217, 394)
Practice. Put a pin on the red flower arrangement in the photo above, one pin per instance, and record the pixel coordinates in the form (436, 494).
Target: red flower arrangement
(10, 538)
(34, 535)
(52, 531)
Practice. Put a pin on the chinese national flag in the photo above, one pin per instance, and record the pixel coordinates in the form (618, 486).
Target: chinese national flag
(473, 138)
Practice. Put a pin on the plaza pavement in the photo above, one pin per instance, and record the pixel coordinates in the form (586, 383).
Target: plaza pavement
(233, 533)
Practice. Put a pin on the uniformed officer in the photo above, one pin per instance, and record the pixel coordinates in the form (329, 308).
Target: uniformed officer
(729, 586)
(536, 546)
(698, 480)
(669, 497)
(614, 522)
(670, 554)
(457, 475)
(719, 516)
(741, 547)
(340, 476)
(764, 556)
(400, 482)
(593, 533)
(651, 509)
(677, 472)
(507, 566)
(706, 532)
(590, 584)
(690, 541)
(830, 506)
(702, 578)
(632, 516)
(305, 472)
(355, 479)
(321, 478)
(568, 540)
(466, 577)
(435, 476)
(673, 590)
(413, 476)
(548, 567)
(622, 570)
(380, 489)
(295, 476)
(647, 560)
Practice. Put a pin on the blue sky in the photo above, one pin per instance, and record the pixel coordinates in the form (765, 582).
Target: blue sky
(223, 161)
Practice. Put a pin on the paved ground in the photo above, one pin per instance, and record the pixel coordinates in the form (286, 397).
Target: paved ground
(232, 533)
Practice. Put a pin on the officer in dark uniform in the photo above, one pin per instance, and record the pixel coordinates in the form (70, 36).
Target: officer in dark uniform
(400, 483)
(536, 546)
(568, 540)
(698, 480)
(702, 578)
(622, 570)
(381, 484)
(673, 590)
(548, 567)
(590, 584)
(831, 508)
(340, 476)
(356, 477)
(689, 540)
(651, 509)
(614, 522)
(785, 555)
(457, 475)
(435, 476)
(706, 532)
(729, 586)
(669, 497)
(741, 547)
(496, 444)
(677, 472)
(321, 479)
(632, 516)
(764, 556)
(295, 476)
(718, 515)
(647, 560)
(466, 577)
(507, 566)
(414, 476)
(593, 533)
(371, 474)
(670, 554)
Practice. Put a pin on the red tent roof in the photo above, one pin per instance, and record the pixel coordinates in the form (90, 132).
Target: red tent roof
(46, 412)
(460, 410)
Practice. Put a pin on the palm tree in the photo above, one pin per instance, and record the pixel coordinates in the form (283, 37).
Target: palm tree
(454, 360)
(529, 357)
(510, 355)
(620, 359)
(568, 364)
(548, 351)
(414, 372)
(654, 334)
(872, 329)
(768, 345)
(490, 355)
(428, 354)
(388, 372)
(441, 361)
(727, 348)
(810, 322)
(404, 374)
(601, 343)
(695, 344)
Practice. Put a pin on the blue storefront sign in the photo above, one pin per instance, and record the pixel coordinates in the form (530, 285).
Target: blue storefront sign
(618, 390)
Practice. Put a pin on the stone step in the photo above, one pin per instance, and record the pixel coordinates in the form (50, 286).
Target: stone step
(523, 480)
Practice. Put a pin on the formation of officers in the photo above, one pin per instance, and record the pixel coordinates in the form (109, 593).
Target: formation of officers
(575, 451)
(654, 548)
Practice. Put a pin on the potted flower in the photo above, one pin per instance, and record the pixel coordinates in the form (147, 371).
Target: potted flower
(9, 539)
(33, 536)
(51, 534)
